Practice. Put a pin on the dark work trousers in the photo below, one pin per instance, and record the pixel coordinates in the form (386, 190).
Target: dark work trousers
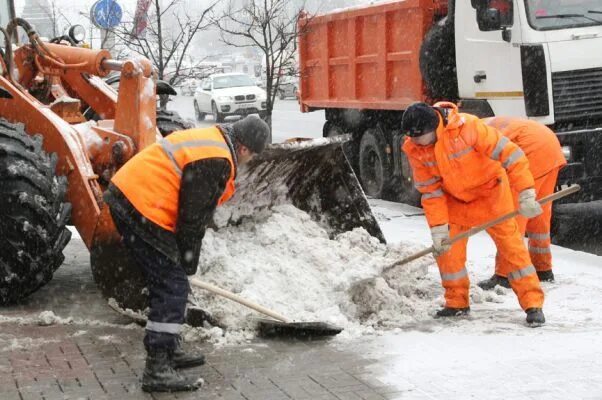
(168, 288)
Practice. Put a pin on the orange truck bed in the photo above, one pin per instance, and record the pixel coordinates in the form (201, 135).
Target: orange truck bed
(367, 57)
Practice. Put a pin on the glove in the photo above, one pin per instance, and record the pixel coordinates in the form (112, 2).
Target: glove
(439, 234)
(527, 205)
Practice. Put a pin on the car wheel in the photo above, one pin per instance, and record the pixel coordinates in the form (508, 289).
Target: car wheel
(200, 116)
(281, 94)
(217, 116)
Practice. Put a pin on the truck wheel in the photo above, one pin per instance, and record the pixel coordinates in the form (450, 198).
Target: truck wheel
(217, 116)
(170, 121)
(373, 164)
(198, 114)
(32, 214)
(404, 188)
(331, 129)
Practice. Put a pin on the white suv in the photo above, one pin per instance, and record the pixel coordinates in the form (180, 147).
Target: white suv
(222, 95)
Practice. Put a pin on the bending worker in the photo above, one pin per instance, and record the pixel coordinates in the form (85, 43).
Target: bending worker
(464, 170)
(161, 201)
(545, 157)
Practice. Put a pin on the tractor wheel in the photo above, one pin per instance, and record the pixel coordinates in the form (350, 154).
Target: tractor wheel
(170, 121)
(33, 214)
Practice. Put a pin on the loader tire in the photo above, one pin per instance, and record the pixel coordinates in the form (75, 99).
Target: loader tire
(33, 215)
(170, 121)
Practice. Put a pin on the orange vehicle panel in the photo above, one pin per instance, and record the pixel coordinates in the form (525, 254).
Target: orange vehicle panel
(365, 58)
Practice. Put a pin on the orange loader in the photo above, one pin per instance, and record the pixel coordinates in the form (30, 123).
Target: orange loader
(56, 161)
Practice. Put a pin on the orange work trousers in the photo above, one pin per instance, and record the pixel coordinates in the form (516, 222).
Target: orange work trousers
(508, 240)
(537, 229)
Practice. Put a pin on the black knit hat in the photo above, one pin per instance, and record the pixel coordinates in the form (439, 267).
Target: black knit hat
(419, 119)
(251, 132)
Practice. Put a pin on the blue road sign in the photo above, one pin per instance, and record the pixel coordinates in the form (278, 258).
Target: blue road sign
(106, 14)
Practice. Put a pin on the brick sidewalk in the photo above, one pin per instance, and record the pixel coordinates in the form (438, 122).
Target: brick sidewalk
(83, 361)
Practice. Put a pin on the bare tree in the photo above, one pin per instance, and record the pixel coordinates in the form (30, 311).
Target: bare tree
(270, 25)
(170, 31)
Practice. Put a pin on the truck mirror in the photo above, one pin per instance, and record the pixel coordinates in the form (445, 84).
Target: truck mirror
(489, 19)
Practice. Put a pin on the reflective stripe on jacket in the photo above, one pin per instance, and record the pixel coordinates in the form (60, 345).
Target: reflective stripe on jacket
(151, 179)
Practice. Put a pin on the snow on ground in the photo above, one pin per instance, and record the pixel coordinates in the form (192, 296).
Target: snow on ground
(286, 262)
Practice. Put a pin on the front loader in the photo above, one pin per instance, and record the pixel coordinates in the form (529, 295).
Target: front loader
(55, 164)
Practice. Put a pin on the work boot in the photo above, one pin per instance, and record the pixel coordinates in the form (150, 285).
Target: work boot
(535, 316)
(545, 276)
(159, 375)
(491, 283)
(182, 359)
(452, 312)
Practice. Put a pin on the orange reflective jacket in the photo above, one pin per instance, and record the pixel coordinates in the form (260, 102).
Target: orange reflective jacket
(466, 162)
(151, 179)
(539, 143)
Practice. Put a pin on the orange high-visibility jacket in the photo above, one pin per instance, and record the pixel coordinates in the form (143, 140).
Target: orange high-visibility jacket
(467, 160)
(151, 179)
(539, 143)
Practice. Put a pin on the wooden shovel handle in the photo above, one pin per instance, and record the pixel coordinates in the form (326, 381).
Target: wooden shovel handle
(472, 231)
(231, 296)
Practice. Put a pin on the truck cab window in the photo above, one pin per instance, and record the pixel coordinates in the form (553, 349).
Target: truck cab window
(563, 14)
(506, 10)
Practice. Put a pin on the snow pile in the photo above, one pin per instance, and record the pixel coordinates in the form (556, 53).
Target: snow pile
(286, 262)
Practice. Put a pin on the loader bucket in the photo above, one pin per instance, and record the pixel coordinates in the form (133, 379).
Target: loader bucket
(313, 175)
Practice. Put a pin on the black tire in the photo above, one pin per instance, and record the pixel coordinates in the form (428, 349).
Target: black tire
(438, 61)
(217, 116)
(331, 129)
(374, 164)
(402, 188)
(281, 94)
(33, 215)
(197, 113)
(263, 115)
(170, 121)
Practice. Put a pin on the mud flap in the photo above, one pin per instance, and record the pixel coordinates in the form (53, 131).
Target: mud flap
(313, 175)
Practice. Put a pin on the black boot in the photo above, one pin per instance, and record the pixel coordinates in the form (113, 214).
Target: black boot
(491, 283)
(182, 359)
(159, 375)
(535, 316)
(545, 276)
(452, 312)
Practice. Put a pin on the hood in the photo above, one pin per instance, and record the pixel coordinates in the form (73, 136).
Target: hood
(454, 118)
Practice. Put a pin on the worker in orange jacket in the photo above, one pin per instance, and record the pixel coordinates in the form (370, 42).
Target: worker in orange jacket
(464, 170)
(544, 153)
(161, 201)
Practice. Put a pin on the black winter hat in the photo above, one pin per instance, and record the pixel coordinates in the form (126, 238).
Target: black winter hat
(251, 132)
(419, 119)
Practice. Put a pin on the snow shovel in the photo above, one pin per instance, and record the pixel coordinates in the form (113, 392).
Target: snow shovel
(282, 326)
(553, 197)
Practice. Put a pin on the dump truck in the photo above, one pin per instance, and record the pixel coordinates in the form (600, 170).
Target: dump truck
(64, 132)
(525, 58)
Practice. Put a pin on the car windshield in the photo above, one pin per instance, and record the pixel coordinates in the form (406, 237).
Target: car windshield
(563, 14)
(221, 82)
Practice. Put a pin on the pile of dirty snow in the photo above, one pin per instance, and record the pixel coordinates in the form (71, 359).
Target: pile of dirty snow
(286, 262)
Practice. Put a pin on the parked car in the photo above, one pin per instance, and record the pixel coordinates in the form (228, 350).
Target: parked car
(222, 95)
(288, 87)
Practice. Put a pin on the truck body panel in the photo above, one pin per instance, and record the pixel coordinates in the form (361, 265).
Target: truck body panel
(365, 58)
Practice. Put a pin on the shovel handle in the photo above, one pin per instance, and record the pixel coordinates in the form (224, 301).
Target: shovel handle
(231, 296)
(472, 231)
